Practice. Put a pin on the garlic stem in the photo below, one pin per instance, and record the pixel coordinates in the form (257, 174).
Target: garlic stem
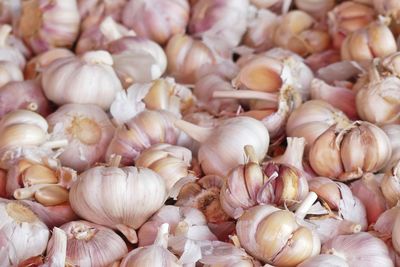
(294, 152)
(305, 205)
(115, 160)
(246, 94)
(250, 153)
(56, 144)
(349, 227)
(28, 192)
(162, 236)
(4, 33)
(198, 133)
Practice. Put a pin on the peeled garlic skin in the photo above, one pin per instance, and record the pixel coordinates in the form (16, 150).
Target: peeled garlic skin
(86, 80)
(88, 131)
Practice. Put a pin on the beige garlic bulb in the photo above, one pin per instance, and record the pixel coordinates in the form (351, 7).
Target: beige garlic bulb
(23, 234)
(361, 249)
(296, 32)
(90, 244)
(274, 236)
(133, 195)
(89, 79)
(170, 162)
(42, 27)
(185, 56)
(390, 185)
(9, 72)
(375, 40)
(346, 18)
(222, 146)
(347, 153)
(156, 254)
(392, 131)
(9, 52)
(155, 19)
(313, 118)
(317, 8)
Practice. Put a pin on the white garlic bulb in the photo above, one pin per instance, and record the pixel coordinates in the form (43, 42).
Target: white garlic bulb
(9, 72)
(88, 131)
(86, 80)
(324, 260)
(8, 52)
(23, 235)
(120, 198)
(45, 24)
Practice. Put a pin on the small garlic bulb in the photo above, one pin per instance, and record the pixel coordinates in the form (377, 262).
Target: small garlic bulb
(313, 118)
(317, 8)
(222, 146)
(8, 52)
(375, 40)
(41, 26)
(274, 236)
(157, 20)
(88, 131)
(390, 185)
(185, 56)
(133, 195)
(156, 254)
(345, 154)
(9, 72)
(89, 244)
(361, 249)
(86, 80)
(23, 95)
(392, 131)
(23, 235)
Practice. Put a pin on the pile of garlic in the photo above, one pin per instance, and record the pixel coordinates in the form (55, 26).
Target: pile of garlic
(215, 133)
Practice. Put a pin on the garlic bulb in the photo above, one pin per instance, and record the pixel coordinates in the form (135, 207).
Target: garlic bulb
(23, 95)
(8, 52)
(390, 185)
(221, 147)
(88, 131)
(346, 18)
(392, 131)
(375, 40)
(347, 153)
(361, 249)
(89, 244)
(170, 162)
(185, 56)
(313, 118)
(134, 194)
(155, 19)
(324, 260)
(9, 72)
(275, 236)
(317, 8)
(23, 235)
(86, 80)
(41, 26)
(297, 32)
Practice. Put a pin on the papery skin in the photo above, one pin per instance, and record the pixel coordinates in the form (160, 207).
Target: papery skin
(392, 131)
(317, 8)
(10, 52)
(9, 72)
(88, 131)
(390, 185)
(324, 260)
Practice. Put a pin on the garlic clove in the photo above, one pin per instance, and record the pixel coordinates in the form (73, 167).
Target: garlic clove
(51, 195)
(38, 174)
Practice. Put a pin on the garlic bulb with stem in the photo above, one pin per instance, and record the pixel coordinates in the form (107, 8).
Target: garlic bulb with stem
(392, 131)
(7, 52)
(89, 79)
(23, 235)
(41, 26)
(221, 147)
(274, 236)
(88, 131)
(134, 194)
(390, 185)
(155, 19)
(9, 72)
(90, 244)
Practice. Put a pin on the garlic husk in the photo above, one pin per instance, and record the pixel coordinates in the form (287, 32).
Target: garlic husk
(156, 254)
(155, 19)
(338, 96)
(37, 64)
(118, 209)
(346, 18)
(86, 80)
(390, 185)
(23, 95)
(9, 72)
(56, 249)
(185, 56)
(317, 8)
(42, 27)
(322, 59)
(392, 131)
(359, 249)
(90, 244)
(170, 162)
(367, 189)
(23, 235)
(313, 118)
(324, 260)
(221, 147)
(340, 71)
(88, 131)
(9, 52)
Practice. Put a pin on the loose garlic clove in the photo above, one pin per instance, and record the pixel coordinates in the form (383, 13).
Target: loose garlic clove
(88, 131)
(90, 244)
(9, 72)
(221, 147)
(62, 84)
(22, 233)
(118, 209)
(42, 27)
(185, 56)
(391, 186)
(160, 23)
(7, 52)
(51, 195)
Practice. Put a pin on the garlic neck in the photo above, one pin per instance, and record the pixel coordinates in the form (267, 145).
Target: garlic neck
(162, 236)
(4, 33)
(98, 57)
(20, 213)
(83, 232)
(86, 130)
